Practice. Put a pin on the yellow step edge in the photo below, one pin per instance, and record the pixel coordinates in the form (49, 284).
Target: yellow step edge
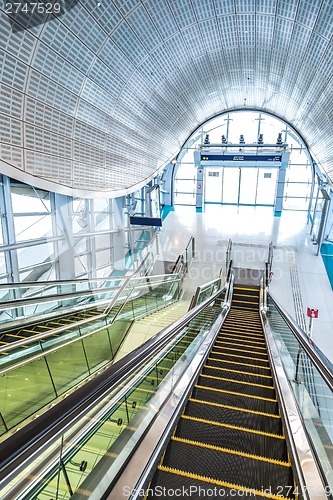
(242, 296)
(245, 308)
(236, 427)
(241, 313)
(245, 314)
(234, 393)
(246, 288)
(237, 338)
(241, 334)
(232, 452)
(217, 482)
(238, 371)
(238, 363)
(250, 312)
(239, 350)
(238, 356)
(238, 328)
(240, 345)
(243, 319)
(240, 307)
(237, 381)
(236, 408)
(238, 322)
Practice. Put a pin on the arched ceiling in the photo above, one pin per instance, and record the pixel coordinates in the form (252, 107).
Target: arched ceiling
(98, 99)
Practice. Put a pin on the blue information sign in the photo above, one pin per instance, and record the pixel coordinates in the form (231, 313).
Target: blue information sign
(239, 157)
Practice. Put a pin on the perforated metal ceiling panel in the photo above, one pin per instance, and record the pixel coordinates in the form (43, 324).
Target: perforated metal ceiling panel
(101, 97)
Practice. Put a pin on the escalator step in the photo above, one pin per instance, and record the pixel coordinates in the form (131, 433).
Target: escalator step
(233, 356)
(246, 332)
(236, 468)
(240, 375)
(245, 306)
(238, 344)
(250, 366)
(231, 437)
(168, 484)
(253, 353)
(240, 339)
(245, 316)
(233, 416)
(236, 400)
(245, 299)
(247, 388)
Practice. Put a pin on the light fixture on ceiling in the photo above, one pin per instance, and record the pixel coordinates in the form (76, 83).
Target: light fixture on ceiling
(206, 141)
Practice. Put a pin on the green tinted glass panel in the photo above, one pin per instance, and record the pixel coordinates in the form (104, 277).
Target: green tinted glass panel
(68, 366)
(24, 391)
(98, 350)
(117, 333)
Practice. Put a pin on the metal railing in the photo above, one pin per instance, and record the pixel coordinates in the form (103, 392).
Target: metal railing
(309, 378)
(92, 343)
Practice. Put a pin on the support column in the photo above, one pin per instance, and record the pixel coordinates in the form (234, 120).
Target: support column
(280, 185)
(8, 233)
(63, 222)
(200, 179)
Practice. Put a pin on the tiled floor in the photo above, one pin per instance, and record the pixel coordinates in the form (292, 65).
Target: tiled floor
(295, 265)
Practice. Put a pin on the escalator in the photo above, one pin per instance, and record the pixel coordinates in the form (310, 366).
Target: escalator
(35, 328)
(49, 356)
(193, 413)
(230, 433)
(15, 334)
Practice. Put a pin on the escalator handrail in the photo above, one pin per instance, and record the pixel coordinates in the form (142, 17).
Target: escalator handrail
(94, 291)
(16, 303)
(24, 443)
(322, 364)
(38, 284)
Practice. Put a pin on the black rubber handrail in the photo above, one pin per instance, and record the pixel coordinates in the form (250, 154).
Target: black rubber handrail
(17, 449)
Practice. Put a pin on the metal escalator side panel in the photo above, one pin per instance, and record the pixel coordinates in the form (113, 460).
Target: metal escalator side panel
(306, 471)
(149, 452)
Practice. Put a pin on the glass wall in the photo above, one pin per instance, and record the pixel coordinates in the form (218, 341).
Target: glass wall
(255, 186)
(49, 236)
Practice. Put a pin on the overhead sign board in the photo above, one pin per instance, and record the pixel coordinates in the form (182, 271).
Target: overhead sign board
(240, 157)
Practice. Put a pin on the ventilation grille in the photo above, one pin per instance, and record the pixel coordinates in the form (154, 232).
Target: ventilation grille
(57, 169)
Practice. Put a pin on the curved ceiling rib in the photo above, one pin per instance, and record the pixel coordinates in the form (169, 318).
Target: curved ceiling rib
(98, 99)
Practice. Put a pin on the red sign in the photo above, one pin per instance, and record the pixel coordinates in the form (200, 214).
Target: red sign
(312, 313)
